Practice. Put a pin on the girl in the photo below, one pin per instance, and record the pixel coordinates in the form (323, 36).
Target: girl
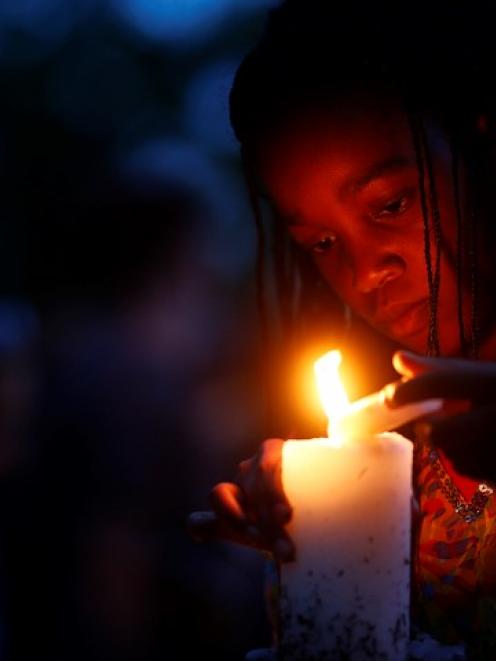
(369, 130)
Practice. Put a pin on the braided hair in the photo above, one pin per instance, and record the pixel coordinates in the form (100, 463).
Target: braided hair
(437, 59)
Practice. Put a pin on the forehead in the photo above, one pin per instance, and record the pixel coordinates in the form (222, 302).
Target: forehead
(333, 148)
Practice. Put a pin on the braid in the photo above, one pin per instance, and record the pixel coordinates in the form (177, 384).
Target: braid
(474, 289)
(432, 340)
(479, 205)
(261, 242)
(281, 260)
(436, 226)
(459, 248)
(282, 268)
(261, 293)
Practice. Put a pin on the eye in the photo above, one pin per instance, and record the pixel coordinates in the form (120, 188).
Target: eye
(324, 244)
(393, 208)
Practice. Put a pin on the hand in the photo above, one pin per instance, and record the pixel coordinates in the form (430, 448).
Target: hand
(253, 509)
(466, 438)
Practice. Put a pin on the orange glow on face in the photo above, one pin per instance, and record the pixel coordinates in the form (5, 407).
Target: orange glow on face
(331, 391)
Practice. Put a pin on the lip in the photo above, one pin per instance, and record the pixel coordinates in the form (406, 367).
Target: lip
(404, 320)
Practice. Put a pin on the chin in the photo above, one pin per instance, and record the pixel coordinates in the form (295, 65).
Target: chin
(416, 343)
(451, 348)
(448, 346)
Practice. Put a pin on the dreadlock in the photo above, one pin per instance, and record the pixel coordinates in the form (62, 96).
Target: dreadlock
(433, 275)
(459, 246)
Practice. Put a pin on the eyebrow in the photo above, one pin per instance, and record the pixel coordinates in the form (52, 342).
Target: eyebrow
(387, 167)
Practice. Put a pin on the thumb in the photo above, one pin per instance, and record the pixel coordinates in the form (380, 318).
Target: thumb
(410, 364)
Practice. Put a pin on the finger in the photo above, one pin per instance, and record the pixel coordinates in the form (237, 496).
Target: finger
(209, 526)
(271, 467)
(234, 523)
(261, 483)
(273, 489)
(466, 439)
(203, 526)
(410, 364)
(446, 384)
(283, 547)
(228, 502)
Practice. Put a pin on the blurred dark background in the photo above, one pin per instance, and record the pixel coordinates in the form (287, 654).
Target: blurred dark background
(131, 357)
(128, 334)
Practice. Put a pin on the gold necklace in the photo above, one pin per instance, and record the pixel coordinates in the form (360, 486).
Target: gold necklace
(468, 511)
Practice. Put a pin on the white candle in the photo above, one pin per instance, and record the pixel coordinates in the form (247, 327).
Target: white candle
(347, 595)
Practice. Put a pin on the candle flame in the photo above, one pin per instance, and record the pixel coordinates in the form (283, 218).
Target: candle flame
(331, 392)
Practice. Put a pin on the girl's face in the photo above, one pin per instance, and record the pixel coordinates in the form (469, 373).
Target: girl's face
(347, 184)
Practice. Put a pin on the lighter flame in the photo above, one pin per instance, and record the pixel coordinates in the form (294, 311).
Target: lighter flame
(331, 392)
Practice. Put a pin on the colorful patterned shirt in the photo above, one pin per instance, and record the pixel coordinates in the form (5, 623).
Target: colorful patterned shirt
(454, 555)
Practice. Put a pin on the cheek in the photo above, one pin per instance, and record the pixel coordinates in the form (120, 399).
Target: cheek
(447, 209)
(414, 258)
(338, 275)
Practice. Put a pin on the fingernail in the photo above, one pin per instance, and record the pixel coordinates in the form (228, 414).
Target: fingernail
(201, 518)
(282, 513)
(389, 392)
(200, 524)
(283, 550)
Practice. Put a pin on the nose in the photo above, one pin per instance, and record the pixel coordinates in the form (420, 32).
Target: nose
(374, 273)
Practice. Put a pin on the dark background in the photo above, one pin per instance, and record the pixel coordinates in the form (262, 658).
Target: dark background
(129, 340)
